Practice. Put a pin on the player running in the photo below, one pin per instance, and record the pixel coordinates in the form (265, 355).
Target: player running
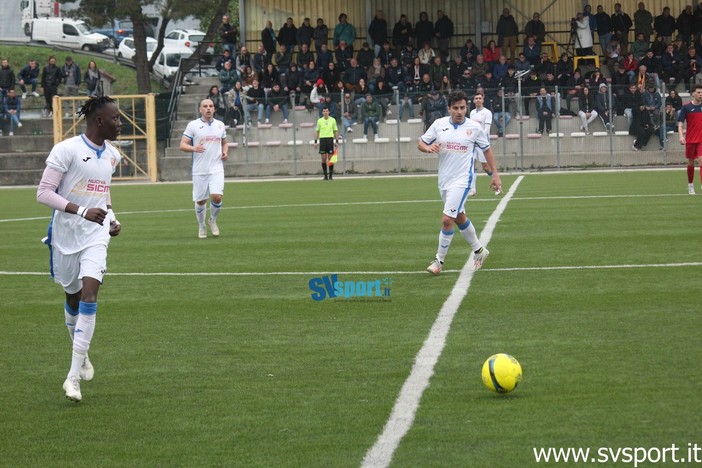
(692, 113)
(483, 116)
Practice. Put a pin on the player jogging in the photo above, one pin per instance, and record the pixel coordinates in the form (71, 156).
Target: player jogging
(206, 139)
(325, 135)
(76, 184)
(692, 113)
(455, 139)
(483, 116)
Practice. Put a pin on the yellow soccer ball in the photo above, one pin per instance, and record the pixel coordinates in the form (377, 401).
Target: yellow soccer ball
(502, 373)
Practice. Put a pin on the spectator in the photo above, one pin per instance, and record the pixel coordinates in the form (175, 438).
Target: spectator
(641, 78)
(395, 75)
(349, 116)
(370, 114)
(491, 54)
(255, 99)
(269, 78)
(632, 104)
(685, 24)
(670, 65)
(344, 31)
(359, 91)
(604, 28)
(640, 46)
(621, 24)
(438, 71)
(378, 31)
(423, 30)
(416, 71)
(334, 108)
(433, 107)
(545, 66)
(586, 112)
(235, 101)
(465, 82)
(305, 34)
(643, 22)
(386, 54)
(29, 74)
(92, 78)
(590, 17)
(283, 59)
(500, 112)
(604, 106)
(631, 65)
(248, 77)
(665, 25)
(620, 82)
(365, 56)
(575, 85)
(535, 27)
(597, 78)
(480, 67)
(304, 56)
(324, 58)
(226, 57)
(292, 82)
(522, 64)
(406, 100)
(671, 118)
(443, 31)
(674, 99)
(653, 66)
(544, 110)
(317, 95)
(457, 67)
(229, 35)
(287, 35)
(50, 78)
(468, 52)
(424, 88)
(71, 77)
(243, 59)
(583, 36)
(509, 82)
(613, 53)
(499, 70)
(12, 105)
(382, 95)
(530, 89)
(549, 82)
(564, 69)
(220, 104)
(402, 33)
(268, 39)
(426, 54)
(353, 74)
(375, 72)
(653, 103)
(532, 51)
(321, 35)
(310, 75)
(277, 101)
(343, 55)
(408, 54)
(261, 60)
(507, 31)
(7, 79)
(227, 77)
(331, 75)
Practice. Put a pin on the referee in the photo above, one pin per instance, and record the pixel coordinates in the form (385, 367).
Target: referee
(325, 136)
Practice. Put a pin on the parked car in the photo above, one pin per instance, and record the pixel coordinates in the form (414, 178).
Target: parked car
(127, 49)
(68, 33)
(118, 30)
(168, 62)
(189, 38)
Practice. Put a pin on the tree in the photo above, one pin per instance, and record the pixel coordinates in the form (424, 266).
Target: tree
(99, 12)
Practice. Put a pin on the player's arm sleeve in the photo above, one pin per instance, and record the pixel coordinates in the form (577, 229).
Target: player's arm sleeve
(682, 115)
(46, 193)
(429, 136)
(482, 140)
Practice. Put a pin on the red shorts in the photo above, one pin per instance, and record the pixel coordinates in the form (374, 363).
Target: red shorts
(693, 150)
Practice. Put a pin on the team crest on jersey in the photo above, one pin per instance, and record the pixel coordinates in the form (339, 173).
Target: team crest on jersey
(469, 132)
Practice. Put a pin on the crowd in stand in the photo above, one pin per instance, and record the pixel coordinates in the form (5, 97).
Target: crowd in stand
(410, 63)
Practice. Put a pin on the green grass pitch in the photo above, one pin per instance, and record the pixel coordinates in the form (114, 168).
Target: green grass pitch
(213, 352)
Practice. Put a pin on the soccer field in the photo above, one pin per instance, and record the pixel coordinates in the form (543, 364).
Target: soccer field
(229, 351)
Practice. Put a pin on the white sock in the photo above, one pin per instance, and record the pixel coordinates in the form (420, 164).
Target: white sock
(71, 319)
(468, 232)
(214, 210)
(85, 327)
(200, 211)
(445, 239)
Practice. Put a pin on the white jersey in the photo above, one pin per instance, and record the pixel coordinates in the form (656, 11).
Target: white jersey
(210, 135)
(87, 175)
(458, 143)
(484, 117)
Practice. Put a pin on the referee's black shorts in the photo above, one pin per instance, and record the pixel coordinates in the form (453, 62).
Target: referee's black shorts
(326, 145)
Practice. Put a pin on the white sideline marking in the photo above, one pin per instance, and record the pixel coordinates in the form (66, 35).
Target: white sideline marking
(403, 413)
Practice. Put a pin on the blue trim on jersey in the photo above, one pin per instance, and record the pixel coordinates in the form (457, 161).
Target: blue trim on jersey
(70, 310)
(47, 241)
(447, 233)
(98, 151)
(456, 125)
(87, 308)
(464, 226)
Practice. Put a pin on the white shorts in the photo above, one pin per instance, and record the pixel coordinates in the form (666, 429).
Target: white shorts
(454, 198)
(69, 270)
(206, 185)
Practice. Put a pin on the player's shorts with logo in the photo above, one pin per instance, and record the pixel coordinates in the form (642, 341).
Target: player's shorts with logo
(69, 270)
(207, 184)
(454, 200)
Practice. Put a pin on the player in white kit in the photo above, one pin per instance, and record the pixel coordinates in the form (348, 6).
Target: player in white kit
(455, 139)
(76, 184)
(206, 139)
(483, 116)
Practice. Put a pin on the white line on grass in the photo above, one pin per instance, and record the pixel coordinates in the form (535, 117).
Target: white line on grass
(402, 416)
(321, 273)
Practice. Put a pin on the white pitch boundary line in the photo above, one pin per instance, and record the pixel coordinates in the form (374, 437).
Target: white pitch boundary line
(405, 409)
(422, 272)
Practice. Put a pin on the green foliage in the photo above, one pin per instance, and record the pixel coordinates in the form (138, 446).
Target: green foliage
(232, 363)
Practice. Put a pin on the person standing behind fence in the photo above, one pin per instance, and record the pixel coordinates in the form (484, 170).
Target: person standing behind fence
(206, 140)
(92, 78)
(50, 78)
(71, 77)
(507, 32)
(691, 113)
(325, 135)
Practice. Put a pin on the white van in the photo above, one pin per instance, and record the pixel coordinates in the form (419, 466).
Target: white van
(68, 33)
(168, 61)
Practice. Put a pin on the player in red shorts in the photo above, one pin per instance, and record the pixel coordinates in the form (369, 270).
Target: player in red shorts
(692, 113)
